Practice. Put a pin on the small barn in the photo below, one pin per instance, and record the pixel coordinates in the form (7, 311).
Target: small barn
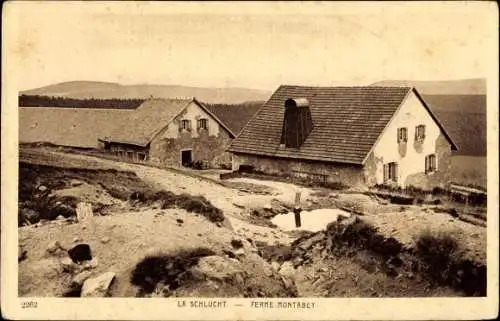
(353, 135)
(172, 133)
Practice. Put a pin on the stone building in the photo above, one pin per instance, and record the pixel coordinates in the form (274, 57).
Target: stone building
(172, 133)
(353, 135)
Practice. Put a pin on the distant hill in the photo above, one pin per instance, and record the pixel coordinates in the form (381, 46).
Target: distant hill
(107, 90)
(476, 86)
(457, 103)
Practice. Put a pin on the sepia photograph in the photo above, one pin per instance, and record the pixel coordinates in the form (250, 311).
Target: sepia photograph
(249, 160)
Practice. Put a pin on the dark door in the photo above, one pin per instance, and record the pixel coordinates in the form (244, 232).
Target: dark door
(187, 158)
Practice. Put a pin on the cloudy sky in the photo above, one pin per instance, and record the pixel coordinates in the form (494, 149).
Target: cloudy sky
(249, 44)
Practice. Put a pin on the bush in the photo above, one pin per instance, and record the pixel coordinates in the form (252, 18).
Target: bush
(363, 236)
(439, 251)
(119, 192)
(165, 268)
(442, 259)
(279, 253)
(190, 203)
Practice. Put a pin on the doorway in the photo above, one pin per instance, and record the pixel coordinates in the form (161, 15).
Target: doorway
(187, 158)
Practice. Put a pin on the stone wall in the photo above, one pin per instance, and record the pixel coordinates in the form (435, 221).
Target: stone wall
(350, 175)
(166, 151)
(442, 175)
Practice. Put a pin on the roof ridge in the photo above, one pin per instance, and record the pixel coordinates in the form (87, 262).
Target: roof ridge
(343, 87)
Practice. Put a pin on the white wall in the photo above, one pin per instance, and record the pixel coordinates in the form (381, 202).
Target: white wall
(411, 114)
(192, 112)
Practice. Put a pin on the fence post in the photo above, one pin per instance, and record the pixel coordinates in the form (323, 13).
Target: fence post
(297, 210)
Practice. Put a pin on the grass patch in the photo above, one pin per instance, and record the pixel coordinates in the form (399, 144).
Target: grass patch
(194, 204)
(36, 183)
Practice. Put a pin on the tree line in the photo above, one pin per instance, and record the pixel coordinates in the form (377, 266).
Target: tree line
(110, 103)
(244, 104)
(51, 101)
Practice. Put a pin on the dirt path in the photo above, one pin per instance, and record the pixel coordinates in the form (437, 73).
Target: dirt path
(231, 200)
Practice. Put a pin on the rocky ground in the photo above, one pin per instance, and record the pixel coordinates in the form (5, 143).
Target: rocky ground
(237, 263)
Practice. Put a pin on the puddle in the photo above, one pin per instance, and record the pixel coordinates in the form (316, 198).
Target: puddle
(313, 221)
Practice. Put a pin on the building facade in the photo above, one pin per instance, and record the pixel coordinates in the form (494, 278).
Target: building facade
(352, 135)
(172, 133)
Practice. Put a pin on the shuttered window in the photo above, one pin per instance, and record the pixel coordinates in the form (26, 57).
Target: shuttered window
(390, 172)
(420, 132)
(402, 135)
(430, 163)
(203, 123)
(185, 125)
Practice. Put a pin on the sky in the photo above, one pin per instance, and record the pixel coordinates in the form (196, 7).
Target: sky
(251, 45)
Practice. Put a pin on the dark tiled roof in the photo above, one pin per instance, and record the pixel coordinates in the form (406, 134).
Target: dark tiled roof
(147, 120)
(347, 122)
(234, 116)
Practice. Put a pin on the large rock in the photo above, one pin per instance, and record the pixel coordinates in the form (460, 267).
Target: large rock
(218, 267)
(287, 269)
(69, 266)
(80, 253)
(84, 212)
(309, 242)
(54, 247)
(75, 182)
(80, 278)
(98, 286)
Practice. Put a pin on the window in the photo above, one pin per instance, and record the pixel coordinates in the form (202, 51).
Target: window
(402, 135)
(185, 125)
(420, 132)
(203, 123)
(430, 163)
(390, 172)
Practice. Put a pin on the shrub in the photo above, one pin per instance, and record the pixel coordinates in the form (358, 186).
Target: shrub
(361, 235)
(119, 192)
(279, 253)
(165, 268)
(190, 203)
(402, 200)
(442, 259)
(438, 251)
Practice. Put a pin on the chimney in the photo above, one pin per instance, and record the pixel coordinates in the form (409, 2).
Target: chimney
(297, 122)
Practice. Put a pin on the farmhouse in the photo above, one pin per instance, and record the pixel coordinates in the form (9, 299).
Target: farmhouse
(172, 132)
(354, 135)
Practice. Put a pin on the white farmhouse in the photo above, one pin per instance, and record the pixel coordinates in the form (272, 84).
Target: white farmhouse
(353, 135)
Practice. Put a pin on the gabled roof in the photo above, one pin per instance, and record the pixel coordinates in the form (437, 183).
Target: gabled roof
(75, 127)
(150, 118)
(347, 122)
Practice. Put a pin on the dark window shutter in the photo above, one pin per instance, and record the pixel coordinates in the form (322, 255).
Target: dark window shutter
(386, 174)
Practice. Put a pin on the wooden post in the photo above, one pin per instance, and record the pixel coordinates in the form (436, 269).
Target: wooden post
(297, 210)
